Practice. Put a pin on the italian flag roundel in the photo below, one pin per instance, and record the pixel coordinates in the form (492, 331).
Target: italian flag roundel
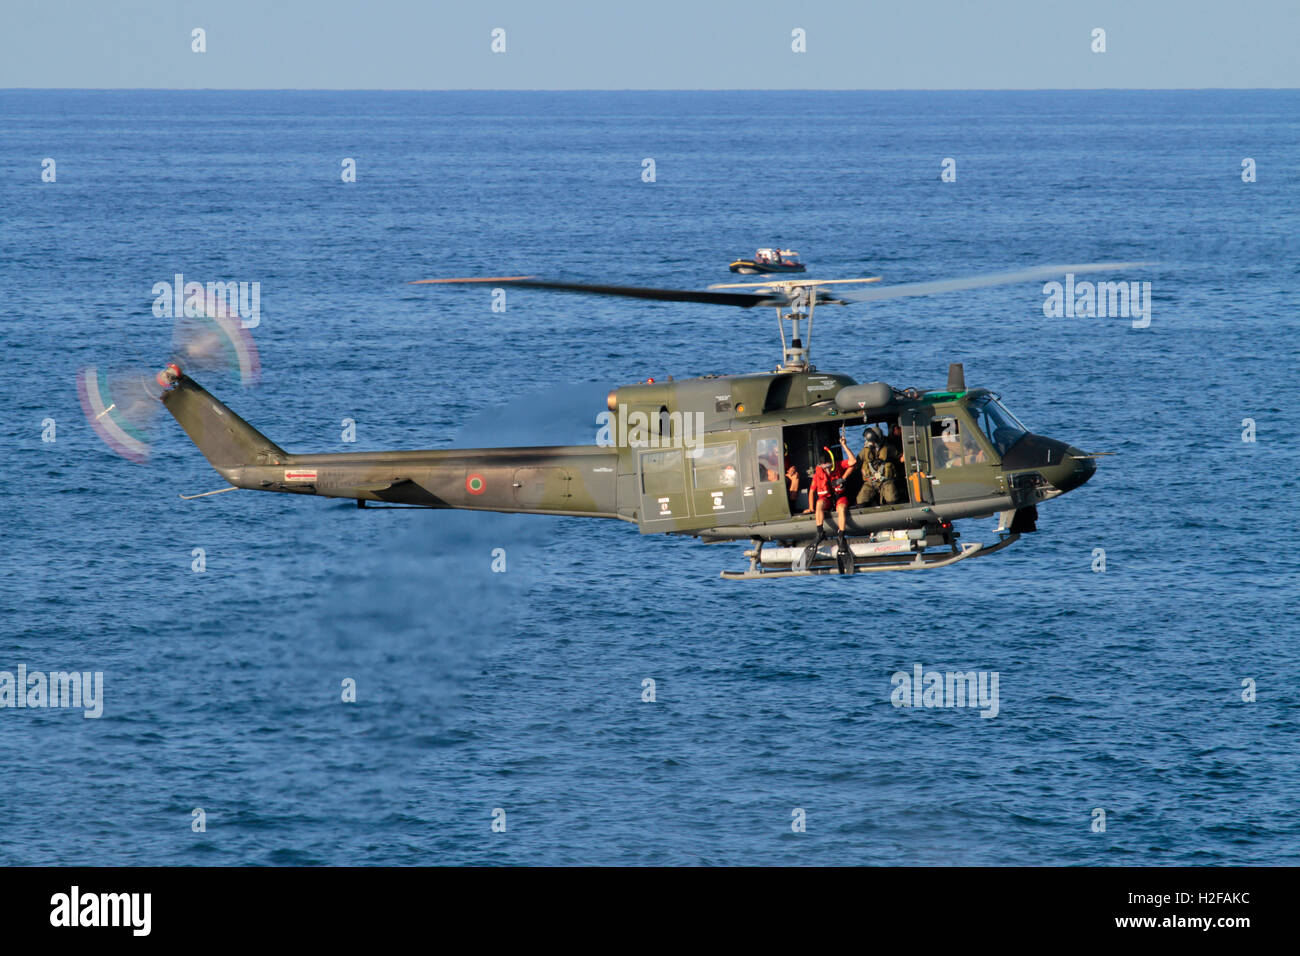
(475, 484)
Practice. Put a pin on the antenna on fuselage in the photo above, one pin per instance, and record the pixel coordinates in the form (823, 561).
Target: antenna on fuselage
(956, 377)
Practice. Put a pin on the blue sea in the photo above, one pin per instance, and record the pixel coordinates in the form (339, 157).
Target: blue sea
(1161, 690)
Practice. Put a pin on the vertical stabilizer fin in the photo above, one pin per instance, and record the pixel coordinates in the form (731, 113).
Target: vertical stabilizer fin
(226, 440)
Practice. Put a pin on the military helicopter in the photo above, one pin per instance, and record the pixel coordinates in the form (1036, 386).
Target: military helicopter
(714, 457)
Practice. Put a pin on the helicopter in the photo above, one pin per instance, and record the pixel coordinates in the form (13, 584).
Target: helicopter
(720, 458)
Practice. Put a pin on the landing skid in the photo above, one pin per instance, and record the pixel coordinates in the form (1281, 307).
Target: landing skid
(918, 561)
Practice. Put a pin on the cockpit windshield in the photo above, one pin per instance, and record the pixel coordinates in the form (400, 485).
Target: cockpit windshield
(1002, 428)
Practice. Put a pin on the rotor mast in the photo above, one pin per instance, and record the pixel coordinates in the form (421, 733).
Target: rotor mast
(795, 301)
(795, 356)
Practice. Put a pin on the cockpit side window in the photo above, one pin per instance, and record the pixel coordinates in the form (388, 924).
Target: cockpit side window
(1001, 427)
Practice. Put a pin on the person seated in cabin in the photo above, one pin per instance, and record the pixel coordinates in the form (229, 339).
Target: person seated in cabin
(816, 488)
(969, 451)
(894, 444)
(881, 483)
(940, 456)
(955, 447)
(768, 461)
(959, 454)
(792, 482)
(894, 485)
(828, 487)
(869, 466)
(891, 471)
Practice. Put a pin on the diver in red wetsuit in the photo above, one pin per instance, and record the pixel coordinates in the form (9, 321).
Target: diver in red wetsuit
(828, 486)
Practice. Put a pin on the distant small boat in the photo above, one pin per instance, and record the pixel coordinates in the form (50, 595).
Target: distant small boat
(769, 260)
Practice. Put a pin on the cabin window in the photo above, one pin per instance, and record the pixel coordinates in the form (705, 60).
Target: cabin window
(714, 466)
(952, 445)
(769, 460)
(661, 472)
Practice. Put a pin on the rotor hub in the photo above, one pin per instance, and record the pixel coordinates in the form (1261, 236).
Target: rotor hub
(169, 375)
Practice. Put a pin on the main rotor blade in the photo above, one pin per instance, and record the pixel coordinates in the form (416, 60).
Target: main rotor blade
(778, 297)
(740, 299)
(980, 282)
(790, 283)
(468, 281)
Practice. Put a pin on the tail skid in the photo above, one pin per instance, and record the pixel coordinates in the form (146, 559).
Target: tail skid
(208, 494)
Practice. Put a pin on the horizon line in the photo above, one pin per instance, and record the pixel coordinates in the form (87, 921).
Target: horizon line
(634, 89)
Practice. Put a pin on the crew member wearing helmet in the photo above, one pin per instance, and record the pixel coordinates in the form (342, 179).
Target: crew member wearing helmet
(828, 486)
(879, 472)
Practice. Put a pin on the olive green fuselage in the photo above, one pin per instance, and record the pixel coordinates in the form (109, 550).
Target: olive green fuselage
(706, 457)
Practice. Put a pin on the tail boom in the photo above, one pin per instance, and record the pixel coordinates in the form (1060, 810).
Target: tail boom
(559, 480)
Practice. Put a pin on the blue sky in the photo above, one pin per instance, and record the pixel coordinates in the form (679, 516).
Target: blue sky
(666, 44)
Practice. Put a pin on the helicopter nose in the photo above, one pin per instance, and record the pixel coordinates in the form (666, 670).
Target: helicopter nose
(1084, 468)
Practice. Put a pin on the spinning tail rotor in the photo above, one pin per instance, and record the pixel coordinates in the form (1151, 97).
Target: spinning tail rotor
(121, 401)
